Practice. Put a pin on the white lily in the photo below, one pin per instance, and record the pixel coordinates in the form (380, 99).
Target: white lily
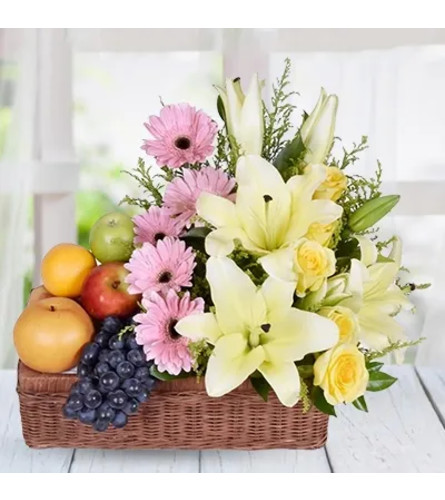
(268, 213)
(255, 329)
(244, 114)
(317, 132)
(375, 296)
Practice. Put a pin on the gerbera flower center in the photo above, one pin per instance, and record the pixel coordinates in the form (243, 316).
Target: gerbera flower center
(159, 236)
(174, 335)
(182, 142)
(165, 277)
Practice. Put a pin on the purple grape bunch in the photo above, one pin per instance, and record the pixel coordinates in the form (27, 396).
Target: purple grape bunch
(114, 379)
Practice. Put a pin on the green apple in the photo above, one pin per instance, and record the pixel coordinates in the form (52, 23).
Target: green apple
(111, 238)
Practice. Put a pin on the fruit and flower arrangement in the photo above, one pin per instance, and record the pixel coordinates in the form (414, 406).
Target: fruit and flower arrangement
(254, 256)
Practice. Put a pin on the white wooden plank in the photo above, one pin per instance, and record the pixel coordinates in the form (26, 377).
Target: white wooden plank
(401, 432)
(265, 461)
(135, 461)
(15, 456)
(433, 380)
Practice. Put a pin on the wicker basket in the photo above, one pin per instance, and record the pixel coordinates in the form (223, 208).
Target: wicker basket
(178, 415)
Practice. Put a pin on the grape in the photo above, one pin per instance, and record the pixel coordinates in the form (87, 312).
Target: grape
(120, 420)
(103, 356)
(101, 425)
(90, 354)
(102, 339)
(132, 406)
(136, 356)
(87, 416)
(132, 386)
(125, 369)
(85, 385)
(75, 402)
(93, 399)
(83, 370)
(117, 399)
(115, 357)
(101, 368)
(105, 412)
(142, 373)
(113, 378)
(116, 342)
(143, 395)
(69, 412)
(108, 381)
(112, 324)
(131, 343)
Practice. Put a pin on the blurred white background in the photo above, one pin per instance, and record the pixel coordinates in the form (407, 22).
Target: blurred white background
(72, 104)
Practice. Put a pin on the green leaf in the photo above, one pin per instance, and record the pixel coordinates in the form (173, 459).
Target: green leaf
(374, 366)
(164, 376)
(379, 381)
(220, 108)
(371, 212)
(261, 386)
(290, 154)
(321, 403)
(360, 404)
(195, 237)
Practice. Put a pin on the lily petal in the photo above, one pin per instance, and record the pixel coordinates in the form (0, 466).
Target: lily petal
(199, 326)
(252, 123)
(297, 334)
(279, 264)
(238, 305)
(279, 296)
(284, 380)
(368, 250)
(231, 364)
(217, 210)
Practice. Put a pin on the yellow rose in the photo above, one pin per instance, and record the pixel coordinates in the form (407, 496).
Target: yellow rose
(321, 233)
(333, 186)
(346, 321)
(313, 263)
(341, 373)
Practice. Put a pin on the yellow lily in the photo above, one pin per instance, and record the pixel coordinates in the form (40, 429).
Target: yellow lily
(255, 329)
(268, 213)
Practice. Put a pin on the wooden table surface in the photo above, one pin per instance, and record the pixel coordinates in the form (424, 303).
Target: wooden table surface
(404, 431)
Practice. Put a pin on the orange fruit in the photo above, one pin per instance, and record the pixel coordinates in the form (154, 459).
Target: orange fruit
(38, 293)
(50, 334)
(65, 268)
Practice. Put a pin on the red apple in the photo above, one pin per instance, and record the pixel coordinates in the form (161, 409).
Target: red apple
(105, 292)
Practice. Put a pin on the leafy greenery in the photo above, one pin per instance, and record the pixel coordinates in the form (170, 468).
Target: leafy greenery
(227, 149)
(164, 376)
(394, 346)
(379, 381)
(261, 386)
(126, 329)
(350, 157)
(360, 404)
(195, 237)
(320, 401)
(304, 396)
(277, 120)
(148, 183)
(201, 352)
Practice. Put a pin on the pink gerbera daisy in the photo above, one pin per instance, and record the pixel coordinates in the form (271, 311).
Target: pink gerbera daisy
(156, 330)
(182, 193)
(167, 266)
(181, 135)
(154, 225)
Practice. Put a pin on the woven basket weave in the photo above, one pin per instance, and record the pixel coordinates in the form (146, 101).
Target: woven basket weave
(178, 415)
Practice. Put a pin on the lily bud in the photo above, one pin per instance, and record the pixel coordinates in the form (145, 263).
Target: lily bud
(318, 129)
(372, 211)
(244, 114)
